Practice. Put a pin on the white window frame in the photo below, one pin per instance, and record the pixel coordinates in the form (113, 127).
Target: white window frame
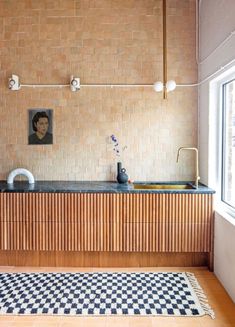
(216, 138)
(223, 105)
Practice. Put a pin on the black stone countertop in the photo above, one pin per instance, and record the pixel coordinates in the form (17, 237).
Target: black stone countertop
(92, 187)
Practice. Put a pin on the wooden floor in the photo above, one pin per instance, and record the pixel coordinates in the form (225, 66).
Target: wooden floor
(219, 300)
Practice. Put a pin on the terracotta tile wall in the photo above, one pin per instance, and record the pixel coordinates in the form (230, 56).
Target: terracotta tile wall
(101, 41)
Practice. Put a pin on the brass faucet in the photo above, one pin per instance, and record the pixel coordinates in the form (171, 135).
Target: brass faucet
(197, 177)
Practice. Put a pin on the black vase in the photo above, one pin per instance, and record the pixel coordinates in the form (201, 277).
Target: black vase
(122, 177)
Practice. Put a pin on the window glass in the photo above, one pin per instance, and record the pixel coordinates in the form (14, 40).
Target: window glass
(228, 146)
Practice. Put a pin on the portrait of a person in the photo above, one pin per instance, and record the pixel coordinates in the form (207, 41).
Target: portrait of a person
(40, 127)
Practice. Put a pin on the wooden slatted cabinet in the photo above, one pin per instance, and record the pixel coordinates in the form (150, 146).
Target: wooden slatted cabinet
(105, 222)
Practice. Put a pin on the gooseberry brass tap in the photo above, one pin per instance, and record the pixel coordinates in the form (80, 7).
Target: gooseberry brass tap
(197, 177)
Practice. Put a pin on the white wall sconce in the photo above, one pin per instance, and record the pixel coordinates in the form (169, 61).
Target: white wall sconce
(158, 86)
(14, 83)
(74, 84)
(170, 85)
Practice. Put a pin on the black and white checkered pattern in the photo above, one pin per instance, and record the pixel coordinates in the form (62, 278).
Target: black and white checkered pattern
(98, 294)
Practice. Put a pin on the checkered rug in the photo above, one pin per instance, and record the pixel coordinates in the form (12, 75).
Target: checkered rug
(168, 294)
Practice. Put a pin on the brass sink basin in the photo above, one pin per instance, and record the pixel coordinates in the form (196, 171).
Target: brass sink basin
(163, 186)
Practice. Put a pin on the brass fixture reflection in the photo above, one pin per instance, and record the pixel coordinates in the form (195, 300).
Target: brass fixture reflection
(197, 177)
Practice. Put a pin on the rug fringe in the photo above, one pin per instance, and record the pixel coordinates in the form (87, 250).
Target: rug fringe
(201, 295)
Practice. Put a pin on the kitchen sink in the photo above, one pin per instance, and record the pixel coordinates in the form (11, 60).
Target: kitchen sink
(151, 186)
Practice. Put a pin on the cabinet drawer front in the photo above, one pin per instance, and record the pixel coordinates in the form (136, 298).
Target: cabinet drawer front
(164, 237)
(168, 208)
(54, 236)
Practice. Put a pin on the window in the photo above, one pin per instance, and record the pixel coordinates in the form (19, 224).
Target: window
(228, 143)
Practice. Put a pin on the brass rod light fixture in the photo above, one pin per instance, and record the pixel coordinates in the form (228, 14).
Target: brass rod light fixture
(164, 43)
(165, 86)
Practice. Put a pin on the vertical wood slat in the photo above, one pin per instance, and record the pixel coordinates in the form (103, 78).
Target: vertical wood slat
(106, 222)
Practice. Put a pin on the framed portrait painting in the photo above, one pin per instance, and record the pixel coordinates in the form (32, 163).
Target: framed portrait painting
(40, 126)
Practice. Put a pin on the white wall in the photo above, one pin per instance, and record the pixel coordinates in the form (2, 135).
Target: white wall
(216, 24)
(224, 253)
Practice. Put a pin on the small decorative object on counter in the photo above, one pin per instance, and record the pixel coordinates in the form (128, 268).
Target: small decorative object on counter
(20, 171)
(122, 177)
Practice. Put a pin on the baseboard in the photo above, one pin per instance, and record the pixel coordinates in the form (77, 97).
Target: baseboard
(102, 259)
